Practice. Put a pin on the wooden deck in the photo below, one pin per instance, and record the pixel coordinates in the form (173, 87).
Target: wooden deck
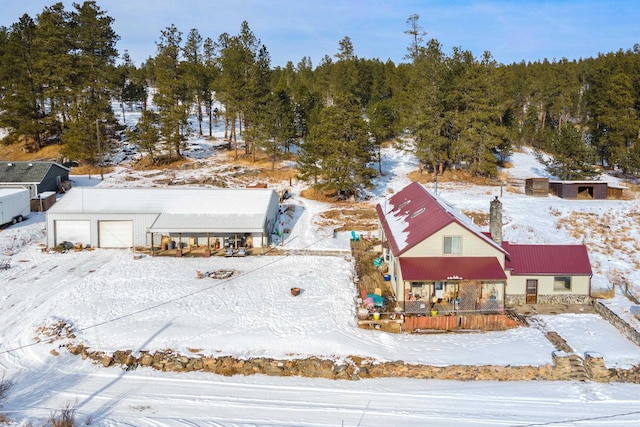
(202, 252)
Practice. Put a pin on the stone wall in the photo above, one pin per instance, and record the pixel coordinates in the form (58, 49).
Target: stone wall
(356, 368)
(564, 366)
(624, 328)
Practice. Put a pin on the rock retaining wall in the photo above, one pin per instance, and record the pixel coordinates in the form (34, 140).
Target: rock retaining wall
(355, 368)
(621, 325)
(564, 366)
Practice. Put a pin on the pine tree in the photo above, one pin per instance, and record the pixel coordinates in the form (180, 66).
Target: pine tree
(337, 153)
(195, 75)
(423, 107)
(211, 73)
(237, 61)
(130, 84)
(173, 97)
(22, 111)
(146, 134)
(571, 158)
(613, 111)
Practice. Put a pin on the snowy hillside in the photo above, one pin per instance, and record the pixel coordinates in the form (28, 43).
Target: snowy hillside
(115, 301)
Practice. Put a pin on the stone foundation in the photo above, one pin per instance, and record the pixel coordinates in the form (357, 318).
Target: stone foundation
(563, 299)
(516, 300)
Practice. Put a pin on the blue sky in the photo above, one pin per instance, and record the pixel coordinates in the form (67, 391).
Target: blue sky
(291, 29)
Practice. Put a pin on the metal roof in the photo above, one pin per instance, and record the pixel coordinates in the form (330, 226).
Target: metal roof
(208, 223)
(26, 172)
(413, 214)
(570, 260)
(178, 209)
(451, 268)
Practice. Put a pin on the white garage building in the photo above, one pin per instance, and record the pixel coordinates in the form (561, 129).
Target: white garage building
(143, 217)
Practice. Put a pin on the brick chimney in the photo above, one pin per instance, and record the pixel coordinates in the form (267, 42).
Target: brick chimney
(495, 221)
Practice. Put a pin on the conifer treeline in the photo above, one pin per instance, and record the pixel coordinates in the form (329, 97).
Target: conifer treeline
(60, 71)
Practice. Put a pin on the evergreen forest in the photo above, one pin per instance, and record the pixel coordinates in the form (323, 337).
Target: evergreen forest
(60, 73)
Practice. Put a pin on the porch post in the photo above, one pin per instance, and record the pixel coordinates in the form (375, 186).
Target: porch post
(504, 295)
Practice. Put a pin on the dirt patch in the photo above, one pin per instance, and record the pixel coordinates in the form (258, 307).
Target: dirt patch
(479, 218)
(91, 170)
(424, 177)
(312, 193)
(361, 217)
(22, 152)
(607, 234)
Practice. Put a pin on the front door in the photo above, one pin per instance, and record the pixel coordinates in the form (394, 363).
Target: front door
(532, 291)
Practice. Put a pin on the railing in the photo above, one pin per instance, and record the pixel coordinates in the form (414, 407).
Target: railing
(460, 307)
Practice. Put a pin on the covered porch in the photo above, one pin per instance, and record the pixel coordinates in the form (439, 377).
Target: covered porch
(208, 234)
(453, 286)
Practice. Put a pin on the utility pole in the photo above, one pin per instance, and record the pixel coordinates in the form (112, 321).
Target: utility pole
(99, 148)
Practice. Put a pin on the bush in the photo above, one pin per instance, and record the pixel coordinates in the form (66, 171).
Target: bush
(66, 418)
(5, 386)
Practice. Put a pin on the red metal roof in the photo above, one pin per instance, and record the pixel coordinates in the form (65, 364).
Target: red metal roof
(451, 268)
(548, 260)
(413, 214)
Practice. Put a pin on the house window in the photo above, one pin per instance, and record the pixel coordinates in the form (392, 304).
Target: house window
(453, 245)
(562, 283)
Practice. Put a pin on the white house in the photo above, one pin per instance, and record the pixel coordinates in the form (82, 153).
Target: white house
(141, 217)
(435, 252)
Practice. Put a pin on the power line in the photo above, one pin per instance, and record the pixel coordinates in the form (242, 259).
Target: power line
(179, 298)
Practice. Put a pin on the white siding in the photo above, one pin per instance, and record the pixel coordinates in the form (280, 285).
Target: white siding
(516, 285)
(472, 245)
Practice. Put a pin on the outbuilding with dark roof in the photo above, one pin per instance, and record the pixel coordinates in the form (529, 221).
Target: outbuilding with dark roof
(38, 177)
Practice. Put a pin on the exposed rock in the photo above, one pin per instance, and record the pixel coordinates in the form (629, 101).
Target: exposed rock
(106, 361)
(146, 359)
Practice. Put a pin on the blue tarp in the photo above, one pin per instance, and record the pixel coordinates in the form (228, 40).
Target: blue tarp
(378, 301)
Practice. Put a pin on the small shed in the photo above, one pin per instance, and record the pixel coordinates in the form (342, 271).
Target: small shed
(615, 191)
(538, 187)
(579, 189)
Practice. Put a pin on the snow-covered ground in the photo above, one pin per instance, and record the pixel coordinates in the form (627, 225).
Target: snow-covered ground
(117, 302)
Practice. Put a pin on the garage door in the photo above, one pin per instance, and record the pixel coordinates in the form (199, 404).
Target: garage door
(115, 234)
(73, 231)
